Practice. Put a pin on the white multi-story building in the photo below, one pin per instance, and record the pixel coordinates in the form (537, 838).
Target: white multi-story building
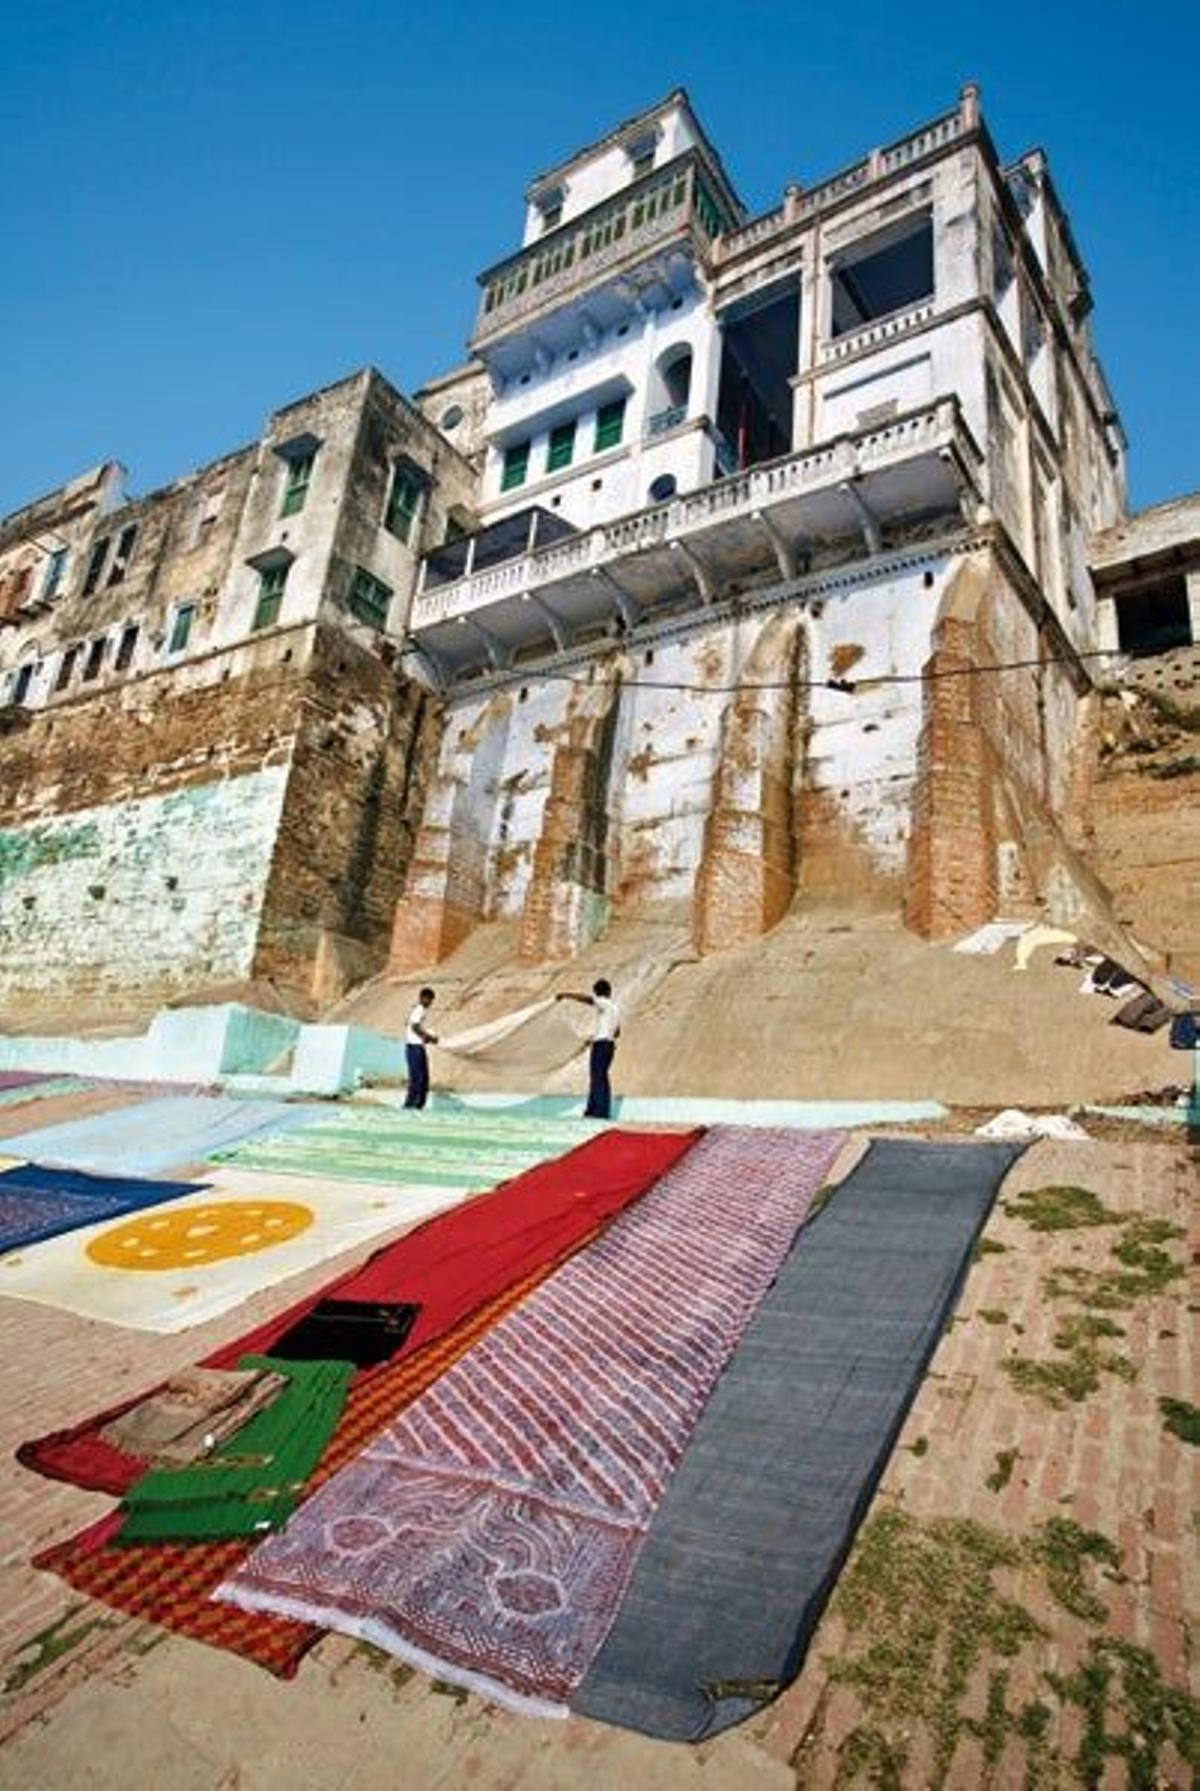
(755, 453)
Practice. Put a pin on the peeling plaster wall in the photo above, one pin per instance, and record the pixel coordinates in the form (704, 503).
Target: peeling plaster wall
(852, 768)
(153, 893)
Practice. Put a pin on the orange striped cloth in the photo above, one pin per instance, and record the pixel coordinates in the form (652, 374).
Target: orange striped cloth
(171, 1584)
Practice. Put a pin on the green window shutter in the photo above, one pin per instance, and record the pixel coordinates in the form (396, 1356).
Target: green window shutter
(562, 446)
(610, 420)
(270, 596)
(403, 502)
(181, 628)
(369, 598)
(516, 466)
(296, 490)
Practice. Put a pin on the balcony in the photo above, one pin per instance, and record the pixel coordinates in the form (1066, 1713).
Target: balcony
(690, 551)
(671, 207)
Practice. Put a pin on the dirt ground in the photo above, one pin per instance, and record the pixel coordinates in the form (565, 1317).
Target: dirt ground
(1015, 1613)
(829, 1005)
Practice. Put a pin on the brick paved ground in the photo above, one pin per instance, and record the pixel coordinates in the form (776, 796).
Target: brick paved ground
(1012, 1633)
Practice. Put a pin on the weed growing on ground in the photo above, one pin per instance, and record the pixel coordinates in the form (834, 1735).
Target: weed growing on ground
(1129, 1713)
(988, 1247)
(924, 1600)
(1181, 1419)
(992, 1315)
(1062, 1548)
(49, 1645)
(1059, 1383)
(867, 1757)
(1001, 1474)
(1060, 1208)
(921, 1604)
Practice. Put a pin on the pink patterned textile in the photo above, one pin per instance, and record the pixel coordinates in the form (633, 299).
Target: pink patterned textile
(489, 1533)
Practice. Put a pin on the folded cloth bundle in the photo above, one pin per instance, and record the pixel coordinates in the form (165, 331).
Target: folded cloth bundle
(254, 1481)
(194, 1413)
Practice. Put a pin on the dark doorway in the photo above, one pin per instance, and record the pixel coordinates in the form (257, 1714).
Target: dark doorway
(885, 272)
(1155, 619)
(760, 345)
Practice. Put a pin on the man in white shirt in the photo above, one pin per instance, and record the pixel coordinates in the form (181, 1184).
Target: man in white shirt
(416, 1038)
(605, 1033)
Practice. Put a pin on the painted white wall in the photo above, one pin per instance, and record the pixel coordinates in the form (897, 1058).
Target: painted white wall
(594, 177)
(529, 408)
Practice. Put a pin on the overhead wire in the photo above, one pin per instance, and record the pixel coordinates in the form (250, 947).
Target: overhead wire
(845, 686)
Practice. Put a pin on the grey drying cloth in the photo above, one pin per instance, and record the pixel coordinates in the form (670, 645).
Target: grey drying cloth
(758, 1518)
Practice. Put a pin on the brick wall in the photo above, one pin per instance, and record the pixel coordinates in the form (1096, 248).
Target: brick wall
(245, 816)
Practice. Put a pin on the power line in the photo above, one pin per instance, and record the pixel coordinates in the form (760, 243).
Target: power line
(845, 686)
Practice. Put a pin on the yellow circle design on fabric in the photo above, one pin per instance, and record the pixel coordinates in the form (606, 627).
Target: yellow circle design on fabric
(195, 1235)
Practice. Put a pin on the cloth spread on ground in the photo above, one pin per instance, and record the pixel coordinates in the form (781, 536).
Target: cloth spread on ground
(21, 1094)
(38, 1202)
(179, 1265)
(172, 1584)
(197, 1411)
(391, 1144)
(751, 1534)
(22, 1078)
(150, 1136)
(465, 1259)
(489, 1533)
(254, 1481)
(365, 1332)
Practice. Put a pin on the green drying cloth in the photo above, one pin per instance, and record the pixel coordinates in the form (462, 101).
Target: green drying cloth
(254, 1481)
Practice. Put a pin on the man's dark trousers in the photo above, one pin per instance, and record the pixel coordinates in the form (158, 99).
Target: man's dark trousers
(599, 1101)
(418, 1075)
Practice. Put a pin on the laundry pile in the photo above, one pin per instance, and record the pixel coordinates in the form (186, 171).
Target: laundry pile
(593, 1434)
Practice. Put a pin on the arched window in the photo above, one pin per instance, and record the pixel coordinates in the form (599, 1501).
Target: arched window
(672, 388)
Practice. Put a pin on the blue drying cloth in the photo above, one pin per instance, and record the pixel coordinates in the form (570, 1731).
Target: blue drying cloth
(38, 1202)
(154, 1135)
(744, 1549)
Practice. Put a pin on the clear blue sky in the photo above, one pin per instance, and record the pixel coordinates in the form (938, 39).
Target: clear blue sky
(210, 209)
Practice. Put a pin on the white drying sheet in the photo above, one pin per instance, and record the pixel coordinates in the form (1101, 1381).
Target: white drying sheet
(541, 1037)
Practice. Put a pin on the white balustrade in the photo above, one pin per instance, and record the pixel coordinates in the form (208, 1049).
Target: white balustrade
(742, 495)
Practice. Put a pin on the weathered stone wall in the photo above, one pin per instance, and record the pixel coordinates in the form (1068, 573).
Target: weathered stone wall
(243, 818)
(346, 828)
(136, 827)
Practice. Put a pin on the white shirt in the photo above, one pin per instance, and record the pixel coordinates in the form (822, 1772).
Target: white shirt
(415, 1019)
(608, 1018)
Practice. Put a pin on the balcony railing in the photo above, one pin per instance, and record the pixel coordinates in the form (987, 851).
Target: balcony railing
(801, 206)
(664, 420)
(935, 427)
(672, 201)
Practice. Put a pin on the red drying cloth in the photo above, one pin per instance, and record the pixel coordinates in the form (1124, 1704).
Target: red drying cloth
(172, 1584)
(448, 1267)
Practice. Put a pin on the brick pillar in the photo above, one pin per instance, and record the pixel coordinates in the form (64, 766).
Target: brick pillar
(951, 886)
(747, 874)
(566, 903)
